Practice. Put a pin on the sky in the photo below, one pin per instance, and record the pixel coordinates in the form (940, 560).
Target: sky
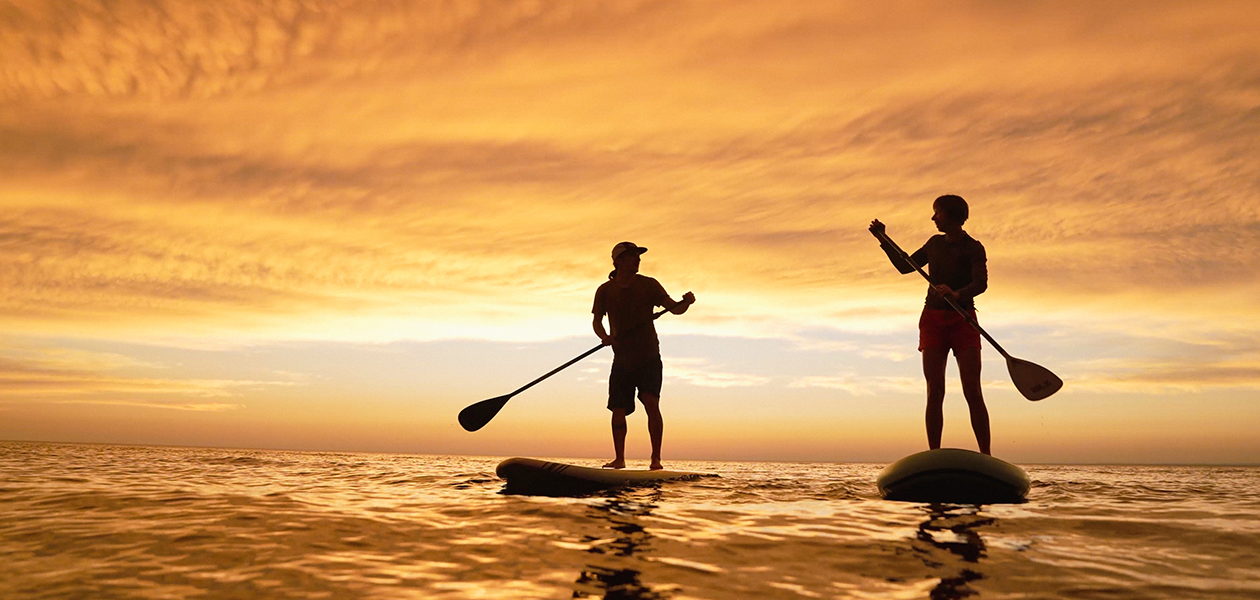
(332, 225)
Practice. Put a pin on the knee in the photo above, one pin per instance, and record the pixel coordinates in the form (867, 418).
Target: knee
(935, 398)
(651, 404)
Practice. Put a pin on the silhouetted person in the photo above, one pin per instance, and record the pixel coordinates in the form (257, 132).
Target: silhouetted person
(956, 269)
(628, 299)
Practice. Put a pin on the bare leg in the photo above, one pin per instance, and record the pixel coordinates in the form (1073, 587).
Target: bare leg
(934, 360)
(656, 426)
(969, 372)
(619, 439)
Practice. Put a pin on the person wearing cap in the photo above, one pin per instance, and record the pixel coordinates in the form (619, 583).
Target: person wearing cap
(628, 299)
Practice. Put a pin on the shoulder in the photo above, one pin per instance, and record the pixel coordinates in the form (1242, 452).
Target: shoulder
(603, 288)
(651, 282)
(650, 285)
(973, 245)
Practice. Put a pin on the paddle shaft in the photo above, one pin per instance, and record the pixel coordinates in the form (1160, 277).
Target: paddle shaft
(883, 237)
(581, 356)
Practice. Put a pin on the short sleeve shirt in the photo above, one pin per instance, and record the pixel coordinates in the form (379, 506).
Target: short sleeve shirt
(629, 311)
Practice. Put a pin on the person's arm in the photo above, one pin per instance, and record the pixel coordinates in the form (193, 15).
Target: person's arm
(598, 323)
(903, 267)
(598, 326)
(979, 276)
(674, 306)
(680, 307)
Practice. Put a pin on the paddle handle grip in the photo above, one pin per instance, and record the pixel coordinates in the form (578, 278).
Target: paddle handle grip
(883, 237)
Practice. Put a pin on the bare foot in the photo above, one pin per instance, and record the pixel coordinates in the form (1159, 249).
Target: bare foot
(615, 464)
(656, 466)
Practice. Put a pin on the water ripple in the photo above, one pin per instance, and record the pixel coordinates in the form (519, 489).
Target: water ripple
(137, 522)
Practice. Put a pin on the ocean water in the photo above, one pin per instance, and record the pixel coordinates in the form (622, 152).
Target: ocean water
(98, 522)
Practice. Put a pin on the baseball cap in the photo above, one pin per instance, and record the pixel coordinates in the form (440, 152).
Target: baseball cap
(624, 247)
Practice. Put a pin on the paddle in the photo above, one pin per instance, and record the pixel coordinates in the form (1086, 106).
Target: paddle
(476, 416)
(1034, 381)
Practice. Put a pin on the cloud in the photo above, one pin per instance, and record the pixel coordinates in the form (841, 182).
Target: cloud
(1150, 375)
(60, 376)
(175, 49)
(696, 371)
(352, 170)
(859, 385)
(249, 175)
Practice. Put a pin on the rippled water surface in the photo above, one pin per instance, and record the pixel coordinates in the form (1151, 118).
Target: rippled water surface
(90, 521)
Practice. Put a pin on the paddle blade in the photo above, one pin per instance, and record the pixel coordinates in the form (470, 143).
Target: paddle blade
(477, 415)
(1033, 381)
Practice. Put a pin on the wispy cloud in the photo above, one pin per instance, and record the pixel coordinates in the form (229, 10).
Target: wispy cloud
(357, 171)
(52, 375)
(260, 162)
(859, 385)
(274, 186)
(697, 371)
(1153, 377)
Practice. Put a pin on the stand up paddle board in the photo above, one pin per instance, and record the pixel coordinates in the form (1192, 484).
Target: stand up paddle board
(955, 476)
(539, 477)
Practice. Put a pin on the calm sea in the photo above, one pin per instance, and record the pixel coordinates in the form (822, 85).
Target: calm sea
(92, 521)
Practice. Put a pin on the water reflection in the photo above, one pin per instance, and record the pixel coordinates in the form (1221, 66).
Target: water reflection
(614, 576)
(954, 530)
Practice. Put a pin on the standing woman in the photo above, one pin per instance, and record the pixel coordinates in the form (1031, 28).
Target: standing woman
(957, 270)
(628, 299)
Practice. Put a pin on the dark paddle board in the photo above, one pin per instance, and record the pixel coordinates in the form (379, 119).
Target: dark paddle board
(539, 477)
(955, 476)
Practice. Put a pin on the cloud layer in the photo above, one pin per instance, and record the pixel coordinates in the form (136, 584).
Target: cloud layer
(245, 172)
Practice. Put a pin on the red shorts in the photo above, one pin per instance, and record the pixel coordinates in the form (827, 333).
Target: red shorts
(947, 329)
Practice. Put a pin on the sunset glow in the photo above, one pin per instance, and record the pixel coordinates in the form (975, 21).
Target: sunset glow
(332, 225)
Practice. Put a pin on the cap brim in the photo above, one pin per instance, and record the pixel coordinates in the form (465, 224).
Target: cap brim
(638, 250)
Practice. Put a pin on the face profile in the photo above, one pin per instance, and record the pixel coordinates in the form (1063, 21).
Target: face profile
(942, 220)
(628, 261)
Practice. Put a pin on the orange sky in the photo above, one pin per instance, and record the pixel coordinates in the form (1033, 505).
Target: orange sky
(333, 225)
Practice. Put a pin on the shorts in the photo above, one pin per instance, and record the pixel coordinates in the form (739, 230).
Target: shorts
(623, 381)
(947, 329)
